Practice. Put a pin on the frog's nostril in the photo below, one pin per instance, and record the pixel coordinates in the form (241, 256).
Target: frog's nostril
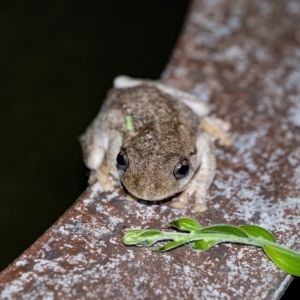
(154, 186)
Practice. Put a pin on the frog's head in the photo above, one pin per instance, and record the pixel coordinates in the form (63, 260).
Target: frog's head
(152, 175)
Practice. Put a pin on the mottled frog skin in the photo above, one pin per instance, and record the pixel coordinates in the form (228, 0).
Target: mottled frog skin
(162, 152)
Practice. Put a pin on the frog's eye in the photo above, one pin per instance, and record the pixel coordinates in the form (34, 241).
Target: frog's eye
(181, 169)
(122, 160)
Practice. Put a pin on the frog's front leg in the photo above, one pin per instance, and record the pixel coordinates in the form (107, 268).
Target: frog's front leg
(203, 177)
(100, 147)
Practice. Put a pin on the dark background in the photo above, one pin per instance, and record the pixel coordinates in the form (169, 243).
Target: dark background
(57, 60)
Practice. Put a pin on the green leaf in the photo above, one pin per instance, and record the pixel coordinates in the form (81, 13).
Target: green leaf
(202, 245)
(169, 246)
(142, 237)
(131, 236)
(233, 231)
(186, 224)
(284, 258)
(258, 232)
(149, 237)
(201, 239)
(150, 233)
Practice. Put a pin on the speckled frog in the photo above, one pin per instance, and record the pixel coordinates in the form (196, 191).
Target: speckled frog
(150, 137)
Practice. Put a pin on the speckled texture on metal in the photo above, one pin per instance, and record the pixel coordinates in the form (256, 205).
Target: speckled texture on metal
(243, 57)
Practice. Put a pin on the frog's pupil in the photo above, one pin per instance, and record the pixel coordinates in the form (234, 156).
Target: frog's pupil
(181, 169)
(122, 160)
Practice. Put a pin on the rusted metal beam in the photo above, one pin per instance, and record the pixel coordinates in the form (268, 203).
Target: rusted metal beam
(244, 57)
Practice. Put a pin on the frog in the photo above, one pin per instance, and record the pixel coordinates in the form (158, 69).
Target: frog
(154, 140)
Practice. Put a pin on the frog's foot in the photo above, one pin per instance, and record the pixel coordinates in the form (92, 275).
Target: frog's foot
(178, 204)
(200, 207)
(218, 129)
(93, 178)
(102, 175)
(131, 198)
(181, 200)
(200, 191)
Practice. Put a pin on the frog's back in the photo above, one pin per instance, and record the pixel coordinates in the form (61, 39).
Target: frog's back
(155, 114)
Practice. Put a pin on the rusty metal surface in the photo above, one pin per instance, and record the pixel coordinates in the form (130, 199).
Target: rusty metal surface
(244, 57)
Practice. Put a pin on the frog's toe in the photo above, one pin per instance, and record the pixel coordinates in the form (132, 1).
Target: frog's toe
(178, 204)
(131, 198)
(181, 201)
(200, 207)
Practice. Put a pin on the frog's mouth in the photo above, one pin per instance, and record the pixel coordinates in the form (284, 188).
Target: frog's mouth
(153, 193)
(150, 197)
